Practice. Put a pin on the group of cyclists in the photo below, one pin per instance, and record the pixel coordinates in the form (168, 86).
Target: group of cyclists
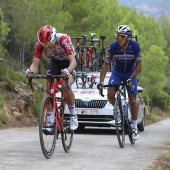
(123, 52)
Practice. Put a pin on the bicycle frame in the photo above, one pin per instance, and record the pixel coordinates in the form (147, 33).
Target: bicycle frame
(52, 89)
(122, 121)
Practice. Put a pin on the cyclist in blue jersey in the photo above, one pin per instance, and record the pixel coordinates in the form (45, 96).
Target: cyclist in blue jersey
(126, 56)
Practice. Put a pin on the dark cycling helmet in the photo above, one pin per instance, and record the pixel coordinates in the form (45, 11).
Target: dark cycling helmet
(124, 29)
(46, 34)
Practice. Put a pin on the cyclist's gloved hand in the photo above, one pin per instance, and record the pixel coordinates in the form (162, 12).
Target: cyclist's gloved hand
(65, 72)
(129, 82)
(100, 85)
(28, 73)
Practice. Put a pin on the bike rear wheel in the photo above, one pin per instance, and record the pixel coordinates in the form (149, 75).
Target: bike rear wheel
(132, 141)
(66, 133)
(119, 122)
(47, 141)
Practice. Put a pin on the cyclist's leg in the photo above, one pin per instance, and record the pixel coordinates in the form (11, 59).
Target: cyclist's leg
(70, 97)
(115, 78)
(134, 108)
(54, 70)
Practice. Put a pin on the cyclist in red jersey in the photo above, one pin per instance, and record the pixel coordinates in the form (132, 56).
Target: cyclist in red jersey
(61, 50)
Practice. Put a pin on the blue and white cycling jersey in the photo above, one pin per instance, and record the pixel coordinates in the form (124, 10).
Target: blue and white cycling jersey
(124, 61)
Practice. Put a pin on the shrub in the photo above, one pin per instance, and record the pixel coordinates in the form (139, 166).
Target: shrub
(161, 100)
(2, 99)
(3, 117)
(37, 102)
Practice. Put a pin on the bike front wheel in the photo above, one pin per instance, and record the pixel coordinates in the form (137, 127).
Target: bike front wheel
(47, 140)
(66, 133)
(119, 123)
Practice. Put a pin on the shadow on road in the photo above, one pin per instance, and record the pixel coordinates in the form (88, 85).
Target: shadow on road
(96, 131)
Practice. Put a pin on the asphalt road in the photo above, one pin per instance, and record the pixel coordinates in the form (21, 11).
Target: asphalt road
(93, 149)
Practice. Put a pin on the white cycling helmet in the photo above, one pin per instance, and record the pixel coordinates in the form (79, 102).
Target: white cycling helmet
(124, 29)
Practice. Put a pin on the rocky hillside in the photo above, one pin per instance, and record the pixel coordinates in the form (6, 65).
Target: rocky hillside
(18, 108)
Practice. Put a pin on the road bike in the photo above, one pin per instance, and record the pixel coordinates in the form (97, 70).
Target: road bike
(91, 56)
(80, 52)
(60, 125)
(83, 79)
(102, 52)
(123, 121)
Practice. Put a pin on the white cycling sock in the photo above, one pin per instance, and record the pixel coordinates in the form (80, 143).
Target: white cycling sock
(134, 124)
(72, 110)
(50, 117)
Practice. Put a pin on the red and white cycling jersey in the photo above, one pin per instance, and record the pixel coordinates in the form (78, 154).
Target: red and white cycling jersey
(63, 47)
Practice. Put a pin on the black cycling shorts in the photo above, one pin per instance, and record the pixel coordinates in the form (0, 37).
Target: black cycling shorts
(56, 66)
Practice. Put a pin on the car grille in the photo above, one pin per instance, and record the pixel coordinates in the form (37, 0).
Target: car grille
(90, 104)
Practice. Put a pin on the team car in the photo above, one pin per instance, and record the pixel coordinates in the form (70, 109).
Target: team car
(94, 110)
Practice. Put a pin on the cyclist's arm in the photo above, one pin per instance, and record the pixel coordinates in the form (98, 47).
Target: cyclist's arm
(103, 71)
(137, 68)
(36, 57)
(35, 64)
(73, 62)
(138, 61)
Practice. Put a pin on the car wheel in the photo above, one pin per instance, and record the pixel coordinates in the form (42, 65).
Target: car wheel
(141, 125)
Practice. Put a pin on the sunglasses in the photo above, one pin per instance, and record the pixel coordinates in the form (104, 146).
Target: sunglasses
(122, 36)
(48, 45)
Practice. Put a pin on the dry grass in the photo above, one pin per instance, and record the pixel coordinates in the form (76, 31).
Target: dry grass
(163, 161)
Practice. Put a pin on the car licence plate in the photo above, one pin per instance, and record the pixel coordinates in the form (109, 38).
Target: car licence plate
(87, 112)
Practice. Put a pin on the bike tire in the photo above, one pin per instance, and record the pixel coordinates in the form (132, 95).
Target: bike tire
(132, 141)
(66, 133)
(119, 123)
(47, 142)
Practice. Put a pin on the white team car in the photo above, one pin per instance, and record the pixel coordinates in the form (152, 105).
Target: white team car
(94, 110)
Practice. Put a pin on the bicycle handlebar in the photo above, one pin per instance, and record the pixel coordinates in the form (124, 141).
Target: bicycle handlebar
(47, 77)
(116, 86)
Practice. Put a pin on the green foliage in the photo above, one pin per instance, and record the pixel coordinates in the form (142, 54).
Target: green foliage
(151, 118)
(17, 76)
(167, 88)
(3, 117)
(166, 156)
(4, 30)
(37, 102)
(153, 69)
(161, 100)
(3, 70)
(2, 99)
